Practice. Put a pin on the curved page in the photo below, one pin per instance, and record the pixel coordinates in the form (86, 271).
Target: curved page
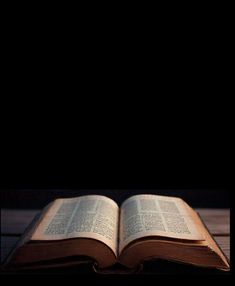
(151, 215)
(90, 216)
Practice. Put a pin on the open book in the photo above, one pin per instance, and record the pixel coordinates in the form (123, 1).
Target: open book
(144, 227)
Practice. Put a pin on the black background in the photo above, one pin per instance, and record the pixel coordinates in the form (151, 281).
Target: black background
(31, 181)
(104, 115)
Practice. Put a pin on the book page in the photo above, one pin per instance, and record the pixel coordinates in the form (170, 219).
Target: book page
(90, 216)
(151, 215)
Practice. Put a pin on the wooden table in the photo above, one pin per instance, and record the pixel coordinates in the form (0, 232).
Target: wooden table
(14, 222)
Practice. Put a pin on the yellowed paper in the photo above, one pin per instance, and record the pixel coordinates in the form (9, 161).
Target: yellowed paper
(151, 215)
(90, 216)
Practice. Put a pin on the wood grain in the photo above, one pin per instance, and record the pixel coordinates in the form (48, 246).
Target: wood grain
(217, 220)
(14, 222)
(7, 244)
(224, 243)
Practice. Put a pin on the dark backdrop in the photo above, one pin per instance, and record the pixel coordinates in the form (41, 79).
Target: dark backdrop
(202, 177)
(38, 198)
(34, 185)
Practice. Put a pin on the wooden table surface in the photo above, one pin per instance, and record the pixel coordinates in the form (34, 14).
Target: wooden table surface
(14, 222)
